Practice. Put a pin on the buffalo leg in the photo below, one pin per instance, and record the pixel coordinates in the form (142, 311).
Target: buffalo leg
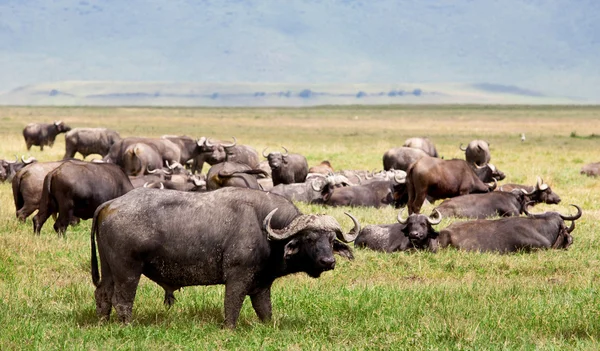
(65, 215)
(235, 293)
(418, 201)
(124, 292)
(25, 212)
(261, 302)
(103, 294)
(38, 221)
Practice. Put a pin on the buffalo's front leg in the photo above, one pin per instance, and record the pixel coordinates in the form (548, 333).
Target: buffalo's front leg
(261, 302)
(235, 293)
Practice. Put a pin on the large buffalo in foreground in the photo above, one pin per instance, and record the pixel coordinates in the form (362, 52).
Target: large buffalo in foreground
(88, 141)
(414, 232)
(477, 152)
(27, 186)
(540, 192)
(536, 231)
(76, 189)
(242, 238)
(287, 168)
(439, 179)
(422, 143)
(42, 134)
(401, 157)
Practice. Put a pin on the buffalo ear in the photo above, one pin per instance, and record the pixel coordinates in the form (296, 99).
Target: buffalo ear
(342, 249)
(291, 248)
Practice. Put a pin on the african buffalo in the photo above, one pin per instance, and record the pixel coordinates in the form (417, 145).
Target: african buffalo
(414, 232)
(536, 231)
(221, 152)
(488, 173)
(167, 150)
(89, 141)
(76, 189)
(8, 169)
(541, 192)
(242, 238)
(42, 134)
(591, 169)
(401, 157)
(422, 143)
(440, 179)
(232, 174)
(323, 168)
(377, 193)
(27, 187)
(286, 168)
(495, 203)
(313, 189)
(477, 152)
(138, 158)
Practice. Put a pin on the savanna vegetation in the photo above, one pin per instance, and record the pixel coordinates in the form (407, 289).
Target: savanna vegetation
(418, 300)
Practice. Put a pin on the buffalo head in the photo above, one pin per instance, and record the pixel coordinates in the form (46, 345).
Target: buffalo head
(276, 159)
(419, 227)
(61, 127)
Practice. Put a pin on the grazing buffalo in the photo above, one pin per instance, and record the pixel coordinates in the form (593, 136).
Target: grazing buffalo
(401, 157)
(541, 192)
(232, 174)
(167, 150)
(287, 168)
(440, 179)
(536, 231)
(414, 232)
(89, 141)
(477, 152)
(322, 168)
(377, 193)
(42, 134)
(495, 203)
(27, 187)
(8, 169)
(422, 143)
(242, 238)
(591, 169)
(76, 189)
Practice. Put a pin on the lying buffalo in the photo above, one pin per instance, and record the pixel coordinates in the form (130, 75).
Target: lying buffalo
(76, 189)
(374, 193)
(232, 174)
(88, 141)
(27, 186)
(492, 204)
(242, 238)
(477, 152)
(536, 231)
(591, 169)
(42, 134)
(439, 179)
(414, 232)
(540, 192)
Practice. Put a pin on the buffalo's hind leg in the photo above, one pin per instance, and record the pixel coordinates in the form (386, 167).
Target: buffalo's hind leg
(261, 302)
(126, 285)
(104, 293)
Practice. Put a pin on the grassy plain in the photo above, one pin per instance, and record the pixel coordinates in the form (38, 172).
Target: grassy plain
(448, 300)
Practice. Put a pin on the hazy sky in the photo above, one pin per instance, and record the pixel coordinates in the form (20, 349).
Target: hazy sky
(551, 47)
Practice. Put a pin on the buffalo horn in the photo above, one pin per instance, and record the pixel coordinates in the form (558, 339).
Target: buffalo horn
(540, 184)
(208, 143)
(574, 217)
(461, 147)
(286, 151)
(146, 184)
(58, 123)
(15, 161)
(151, 171)
(527, 204)
(399, 177)
(352, 234)
(263, 152)
(493, 186)
(27, 161)
(162, 186)
(400, 219)
(437, 220)
(232, 144)
(571, 227)
(315, 186)
(201, 141)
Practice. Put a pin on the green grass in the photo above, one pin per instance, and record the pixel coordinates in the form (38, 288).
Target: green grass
(449, 300)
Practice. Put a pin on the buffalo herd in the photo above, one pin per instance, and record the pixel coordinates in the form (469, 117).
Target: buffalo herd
(241, 227)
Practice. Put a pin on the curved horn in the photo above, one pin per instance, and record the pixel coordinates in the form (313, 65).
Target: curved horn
(437, 220)
(27, 161)
(58, 123)
(400, 219)
(15, 161)
(527, 204)
(353, 233)
(286, 151)
(168, 165)
(317, 188)
(461, 147)
(232, 144)
(399, 178)
(540, 184)
(367, 176)
(201, 141)
(263, 152)
(294, 227)
(162, 186)
(492, 187)
(151, 171)
(208, 143)
(198, 182)
(528, 192)
(146, 184)
(571, 227)
(574, 217)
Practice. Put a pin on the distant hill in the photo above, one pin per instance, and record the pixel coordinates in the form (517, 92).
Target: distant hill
(513, 48)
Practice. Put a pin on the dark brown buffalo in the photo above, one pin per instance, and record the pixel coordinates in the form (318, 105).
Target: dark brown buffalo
(591, 169)
(232, 174)
(88, 141)
(76, 189)
(422, 143)
(541, 192)
(27, 187)
(242, 238)
(377, 193)
(42, 134)
(322, 168)
(477, 152)
(190, 149)
(8, 169)
(401, 157)
(492, 204)
(488, 173)
(414, 232)
(440, 179)
(536, 231)
(286, 168)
